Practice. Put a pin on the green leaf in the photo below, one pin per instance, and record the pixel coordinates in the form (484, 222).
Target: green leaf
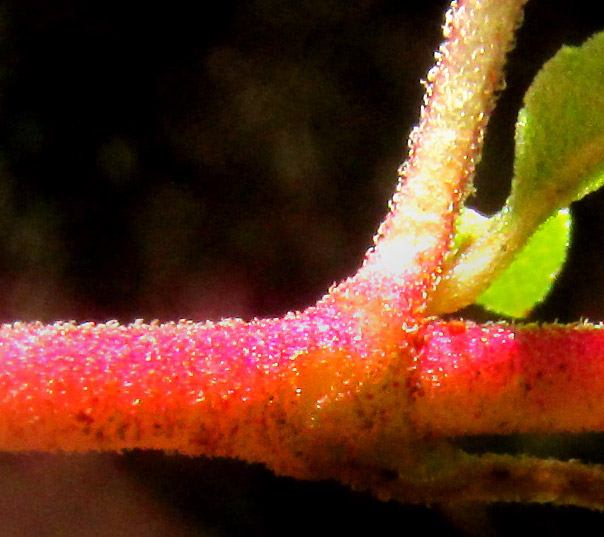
(559, 159)
(560, 133)
(528, 279)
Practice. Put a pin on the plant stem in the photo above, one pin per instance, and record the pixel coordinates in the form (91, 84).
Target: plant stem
(503, 379)
(291, 393)
(501, 478)
(444, 148)
(256, 390)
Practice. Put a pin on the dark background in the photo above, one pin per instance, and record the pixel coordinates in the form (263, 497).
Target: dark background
(197, 161)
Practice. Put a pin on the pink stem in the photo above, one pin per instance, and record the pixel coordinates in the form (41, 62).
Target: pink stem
(267, 391)
(247, 389)
(501, 379)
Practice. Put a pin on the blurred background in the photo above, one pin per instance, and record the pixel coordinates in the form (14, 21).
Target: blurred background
(180, 161)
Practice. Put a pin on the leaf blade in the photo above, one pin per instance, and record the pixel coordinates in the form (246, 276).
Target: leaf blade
(560, 132)
(529, 278)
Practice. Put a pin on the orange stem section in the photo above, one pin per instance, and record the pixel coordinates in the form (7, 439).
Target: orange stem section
(305, 394)
(285, 392)
(499, 379)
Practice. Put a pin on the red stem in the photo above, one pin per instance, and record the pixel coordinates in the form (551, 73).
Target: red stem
(501, 379)
(267, 391)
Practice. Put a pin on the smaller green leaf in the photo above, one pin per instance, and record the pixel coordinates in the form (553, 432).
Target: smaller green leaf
(528, 279)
